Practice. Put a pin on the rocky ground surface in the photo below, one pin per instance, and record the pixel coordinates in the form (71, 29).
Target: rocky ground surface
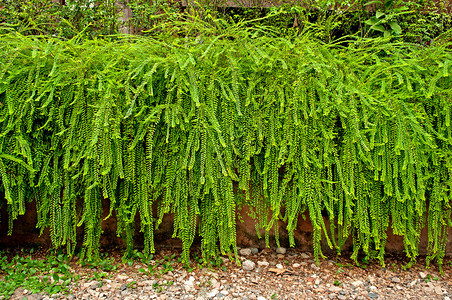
(264, 274)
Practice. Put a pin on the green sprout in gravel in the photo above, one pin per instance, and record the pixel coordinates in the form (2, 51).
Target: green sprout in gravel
(50, 275)
(104, 263)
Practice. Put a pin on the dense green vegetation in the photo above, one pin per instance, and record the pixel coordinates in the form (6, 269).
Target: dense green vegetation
(50, 274)
(418, 21)
(203, 117)
(53, 272)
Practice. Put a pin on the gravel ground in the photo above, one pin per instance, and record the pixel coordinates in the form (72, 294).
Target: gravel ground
(264, 274)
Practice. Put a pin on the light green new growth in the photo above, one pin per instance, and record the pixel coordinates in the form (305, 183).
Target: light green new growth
(208, 118)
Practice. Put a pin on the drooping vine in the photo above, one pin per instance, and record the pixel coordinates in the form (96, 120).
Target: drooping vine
(356, 138)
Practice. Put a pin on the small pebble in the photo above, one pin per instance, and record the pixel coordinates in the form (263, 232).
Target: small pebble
(248, 265)
(262, 263)
(357, 283)
(94, 285)
(281, 250)
(438, 290)
(396, 279)
(335, 289)
(245, 251)
(314, 267)
(212, 294)
(122, 277)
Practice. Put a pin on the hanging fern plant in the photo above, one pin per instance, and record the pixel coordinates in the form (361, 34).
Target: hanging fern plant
(228, 116)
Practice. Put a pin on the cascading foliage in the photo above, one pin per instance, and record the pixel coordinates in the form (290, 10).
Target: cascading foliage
(201, 122)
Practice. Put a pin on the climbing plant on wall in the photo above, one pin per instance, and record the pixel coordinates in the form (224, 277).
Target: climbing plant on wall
(206, 117)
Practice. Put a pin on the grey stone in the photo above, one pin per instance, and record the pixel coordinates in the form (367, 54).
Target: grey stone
(213, 293)
(94, 285)
(245, 251)
(438, 290)
(188, 286)
(262, 263)
(335, 289)
(372, 295)
(304, 256)
(314, 267)
(248, 265)
(254, 250)
(357, 283)
(122, 277)
(281, 250)
(123, 287)
(396, 279)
